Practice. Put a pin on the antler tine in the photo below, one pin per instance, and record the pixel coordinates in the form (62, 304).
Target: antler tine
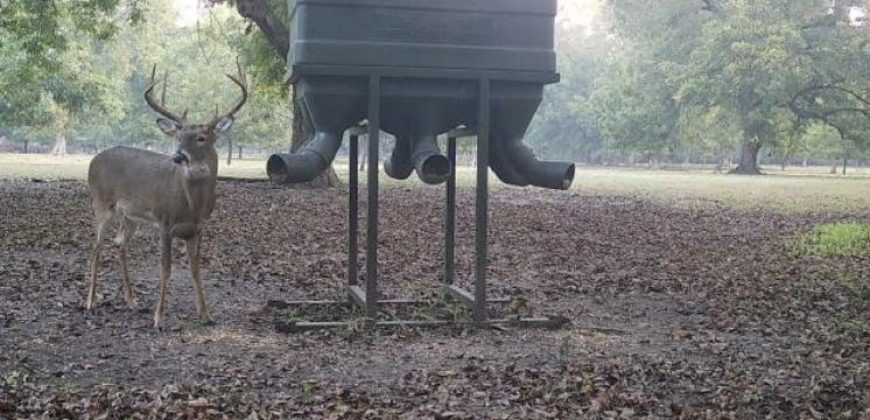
(149, 99)
(165, 83)
(242, 74)
(239, 105)
(153, 72)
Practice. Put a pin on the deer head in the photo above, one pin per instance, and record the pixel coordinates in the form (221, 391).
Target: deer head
(195, 141)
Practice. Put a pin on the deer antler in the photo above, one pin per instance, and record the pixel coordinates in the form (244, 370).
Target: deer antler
(149, 98)
(241, 83)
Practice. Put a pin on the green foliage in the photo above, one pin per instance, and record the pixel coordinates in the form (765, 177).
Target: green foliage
(633, 109)
(95, 97)
(707, 76)
(45, 65)
(711, 130)
(564, 124)
(41, 28)
(748, 64)
(837, 240)
(823, 141)
(657, 79)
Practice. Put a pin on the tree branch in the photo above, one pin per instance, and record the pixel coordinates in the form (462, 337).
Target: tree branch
(712, 7)
(261, 14)
(833, 86)
(835, 111)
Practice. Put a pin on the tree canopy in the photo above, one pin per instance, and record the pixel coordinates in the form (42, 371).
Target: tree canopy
(86, 87)
(654, 80)
(702, 77)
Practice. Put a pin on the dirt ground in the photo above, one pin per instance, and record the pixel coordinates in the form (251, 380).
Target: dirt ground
(704, 312)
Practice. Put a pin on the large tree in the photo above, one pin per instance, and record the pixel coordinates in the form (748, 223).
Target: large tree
(48, 77)
(767, 66)
(269, 46)
(564, 125)
(82, 75)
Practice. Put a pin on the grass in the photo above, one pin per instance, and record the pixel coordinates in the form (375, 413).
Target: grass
(837, 240)
(75, 167)
(795, 190)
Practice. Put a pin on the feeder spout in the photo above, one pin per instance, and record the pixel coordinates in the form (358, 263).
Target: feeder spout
(420, 154)
(307, 163)
(515, 163)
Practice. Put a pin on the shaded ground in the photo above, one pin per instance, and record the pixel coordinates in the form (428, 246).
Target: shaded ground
(692, 312)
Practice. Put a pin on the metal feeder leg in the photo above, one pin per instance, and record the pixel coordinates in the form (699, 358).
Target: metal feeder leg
(481, 204)
(450, 216)
(372, 228)
(353, 214)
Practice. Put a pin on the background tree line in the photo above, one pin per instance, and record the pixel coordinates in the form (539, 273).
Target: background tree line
(84, 89)
(711, 81)
(651, 81)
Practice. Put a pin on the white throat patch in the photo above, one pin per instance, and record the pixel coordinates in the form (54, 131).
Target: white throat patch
(196, 171)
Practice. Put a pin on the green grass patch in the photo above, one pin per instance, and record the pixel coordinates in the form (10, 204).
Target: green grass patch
(837, 240)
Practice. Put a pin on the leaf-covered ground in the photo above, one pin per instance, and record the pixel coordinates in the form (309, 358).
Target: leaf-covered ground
(704, 312)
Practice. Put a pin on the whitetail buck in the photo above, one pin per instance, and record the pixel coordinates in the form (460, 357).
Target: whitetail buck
(175, 193)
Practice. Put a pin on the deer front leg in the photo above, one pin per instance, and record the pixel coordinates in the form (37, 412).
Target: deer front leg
(165, 272)
(193, 259)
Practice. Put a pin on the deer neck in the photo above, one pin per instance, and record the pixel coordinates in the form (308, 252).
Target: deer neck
(198, 184)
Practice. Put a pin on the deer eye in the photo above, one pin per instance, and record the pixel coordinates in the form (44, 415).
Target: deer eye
(201, 139)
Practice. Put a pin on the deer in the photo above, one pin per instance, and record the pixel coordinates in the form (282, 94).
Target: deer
(174, 193)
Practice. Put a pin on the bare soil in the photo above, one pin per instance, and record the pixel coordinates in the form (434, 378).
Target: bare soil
(706, 312)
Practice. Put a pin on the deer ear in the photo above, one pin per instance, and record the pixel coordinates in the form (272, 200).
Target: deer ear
(223, 125)
(168, 127)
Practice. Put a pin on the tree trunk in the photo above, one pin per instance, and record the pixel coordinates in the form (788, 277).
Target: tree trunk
(59, 148)
(261, 13)
(240, 152)
(845, 163)
(229, 152)
(724, 163)
(834, 168)
(26, 144)
(748, 159)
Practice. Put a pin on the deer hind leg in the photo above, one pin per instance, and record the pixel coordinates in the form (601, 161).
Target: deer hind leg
(128, 228)
(193, 257)
(103, 221)
(165, 273)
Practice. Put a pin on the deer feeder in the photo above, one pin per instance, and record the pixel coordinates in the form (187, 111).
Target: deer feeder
(418, 69)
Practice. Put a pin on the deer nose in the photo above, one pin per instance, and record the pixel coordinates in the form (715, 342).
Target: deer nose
(179, 157)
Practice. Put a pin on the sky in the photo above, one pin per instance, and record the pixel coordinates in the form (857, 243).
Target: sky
(188, 12)
(858, 16)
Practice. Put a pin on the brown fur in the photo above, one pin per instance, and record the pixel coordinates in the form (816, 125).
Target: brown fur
(144, 187)
(176, 194)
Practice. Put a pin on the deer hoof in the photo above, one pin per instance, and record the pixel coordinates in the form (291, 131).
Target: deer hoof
(208, 322)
